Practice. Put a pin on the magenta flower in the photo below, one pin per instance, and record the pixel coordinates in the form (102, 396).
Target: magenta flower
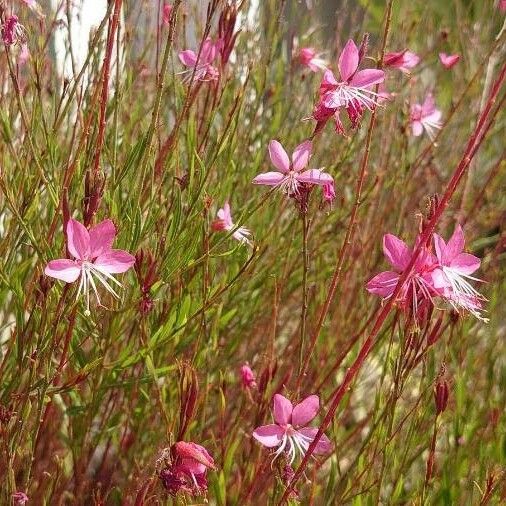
(290, 176)
(329, 192)
(425, 117)
(309, 58)
(93, 257)
(248, 379)
(402, 60)
(454, 270)
(13, 32)
(204, 70)
(224, 222)
(289, 432)
(187, 473)
(352, 92)
(448, 60)
(418, 287)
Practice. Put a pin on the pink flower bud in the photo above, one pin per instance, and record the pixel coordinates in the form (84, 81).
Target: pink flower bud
(167, 9)
(247, 377)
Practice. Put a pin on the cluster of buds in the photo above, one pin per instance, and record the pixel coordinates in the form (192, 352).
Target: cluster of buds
(147, 275)
(226, 31)
(184, 468)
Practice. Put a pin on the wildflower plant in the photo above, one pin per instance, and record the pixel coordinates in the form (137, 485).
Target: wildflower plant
(206, 296)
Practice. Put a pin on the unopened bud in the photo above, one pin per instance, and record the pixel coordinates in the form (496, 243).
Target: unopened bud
(441, 396)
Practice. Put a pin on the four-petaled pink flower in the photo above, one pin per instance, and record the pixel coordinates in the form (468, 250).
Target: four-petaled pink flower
(248, 379)
(425, 117)
(448, 60)
(93, 258)
(290, 176)
(402, 60)
(309, 58)
(418, 287)
(352, 92)
(289, 432)
(13, 31)
(204, 70)
(453, 272)
(224, 222)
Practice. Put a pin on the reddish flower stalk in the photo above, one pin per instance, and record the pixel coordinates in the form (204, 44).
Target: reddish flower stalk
(483, 125)
(113, 26)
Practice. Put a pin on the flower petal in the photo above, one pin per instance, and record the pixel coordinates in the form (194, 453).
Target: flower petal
(439, 248)
(64, 269)
(383, 284)
(101, 238)
(348, 60)
(396, 251)
(269, 178)
(456, 243)
(282, 410)
(323, 446)
(188, 58)
(269, 435)
(278, 156)
(465, 263)
(78, 239)
(306, 410)
(114, 261)
(416, 128)
(315, 176)
(301, 154)
(368, 77)
(429, 105)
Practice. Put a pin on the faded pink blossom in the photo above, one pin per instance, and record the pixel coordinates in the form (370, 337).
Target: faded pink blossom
(13, 31)
(248, 378)
(201, 64)
(419, 286)
(448, 60)
(352, 92)
(453, 271)
(290, 176)
(425, 117)
(329, 192)
(187, 473)
(19, 498)
(309, 58)
(24, 55)
(93, 257)
(290, 433)
(224, 222)
(402, 60)
(167, 9)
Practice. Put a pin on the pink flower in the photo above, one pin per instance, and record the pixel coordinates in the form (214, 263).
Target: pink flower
(448, 60)
(329, 192)
(19, 498)
(453, 272)
(402, 60)
(309, 58)
(290, 433)
(247, 376)
(418, 287)
(167, 9)
(224, 222)
(204, 70)
(290, 176)
(425, 117)
(352, 92)
(12, 31)
(188, 471)
(502, 5)
(93, 257)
